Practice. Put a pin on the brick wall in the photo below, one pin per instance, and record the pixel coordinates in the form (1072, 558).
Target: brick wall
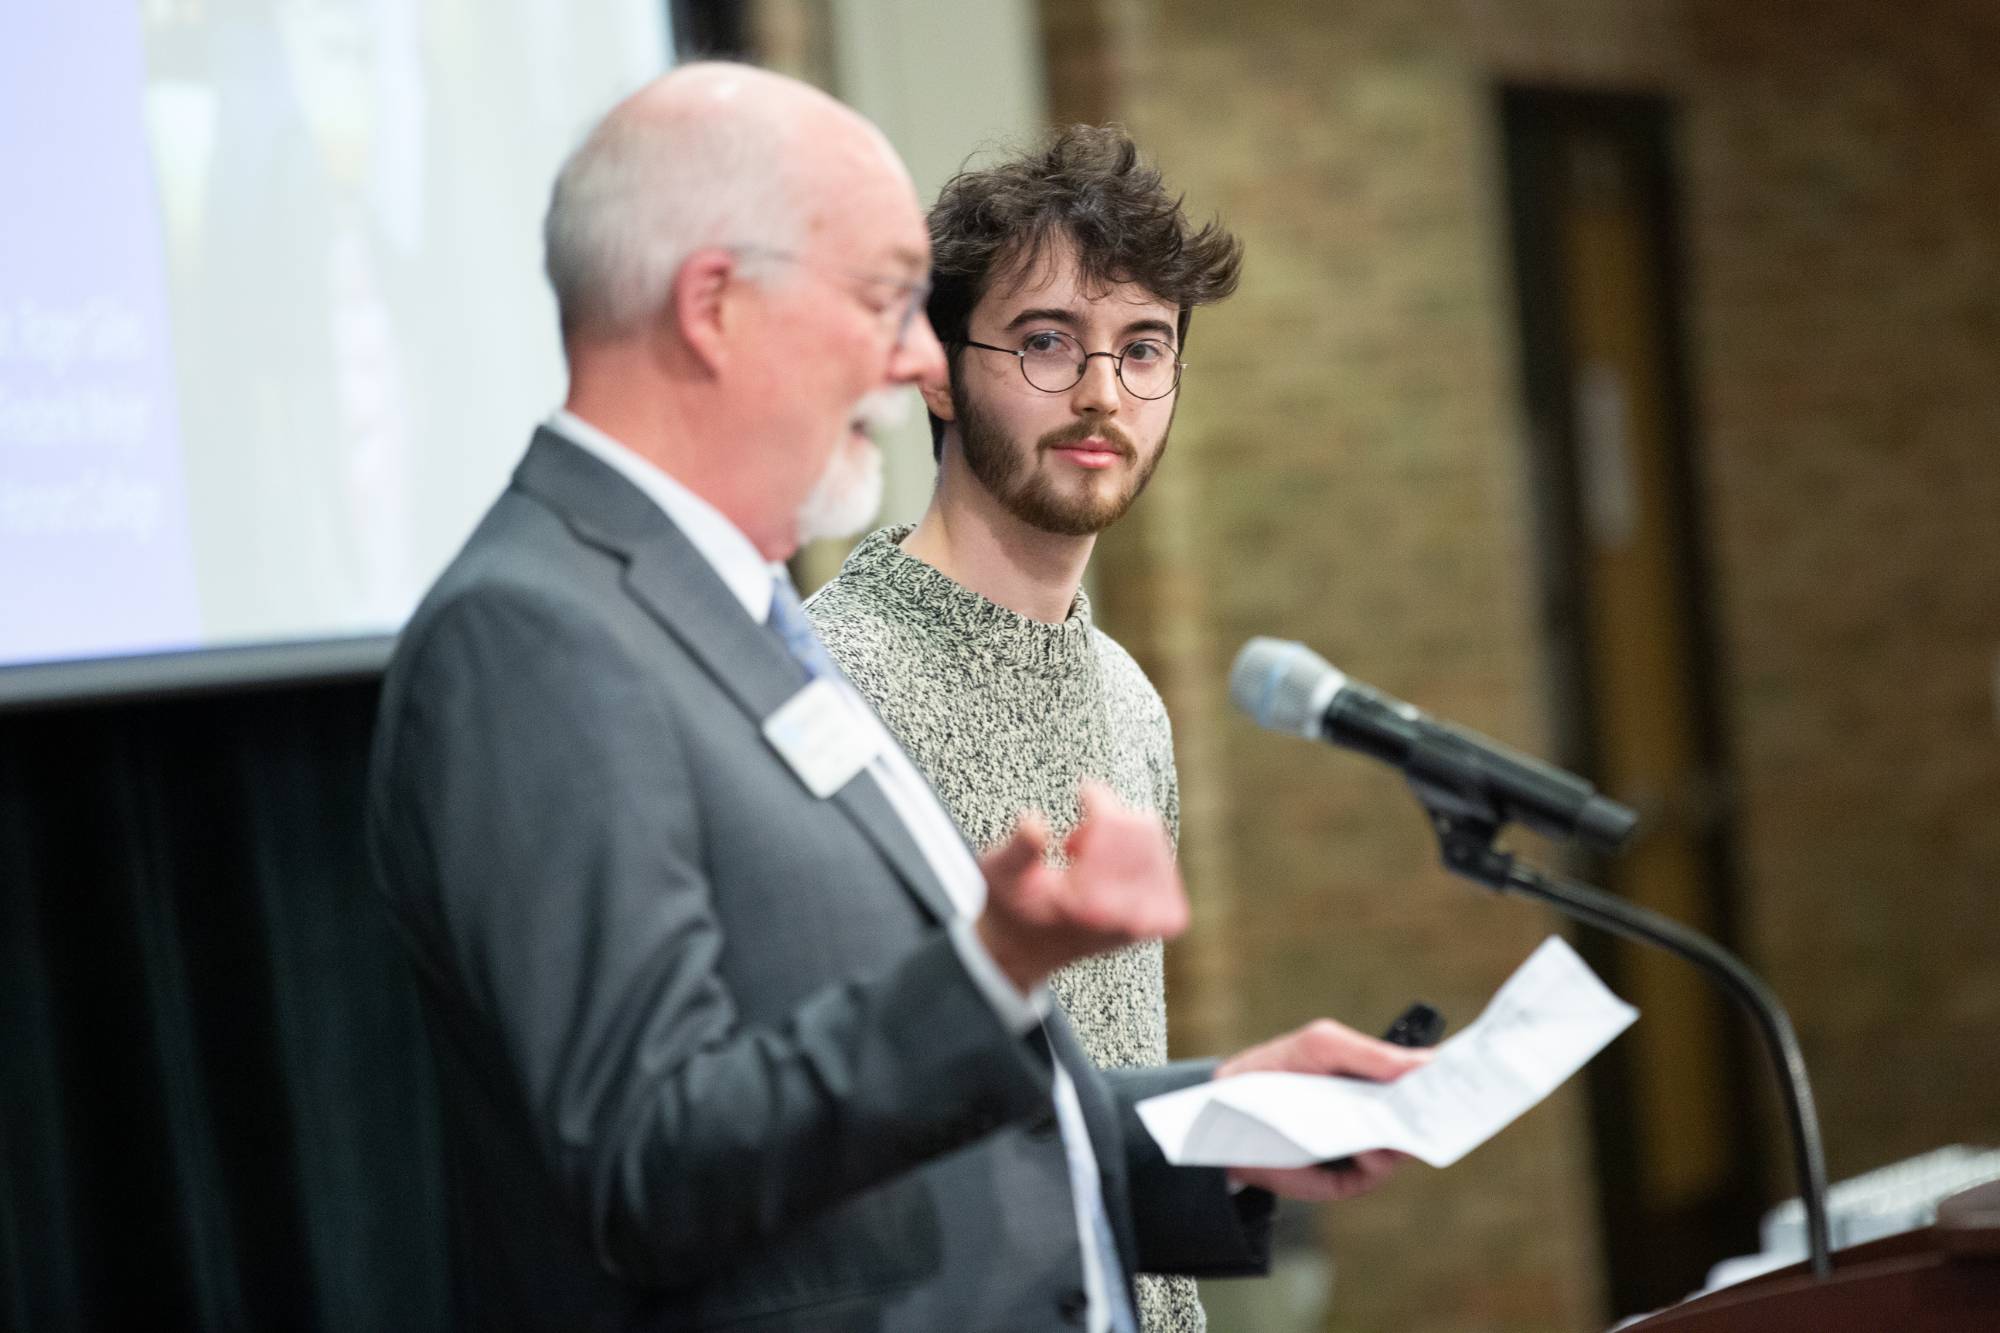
(1348, 469)
(1845, 196)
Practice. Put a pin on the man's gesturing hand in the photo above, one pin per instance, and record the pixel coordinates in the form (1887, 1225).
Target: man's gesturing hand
(1325, 1047)
(1120, 886)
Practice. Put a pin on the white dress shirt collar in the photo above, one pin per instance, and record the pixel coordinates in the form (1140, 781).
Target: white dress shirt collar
(740, 565)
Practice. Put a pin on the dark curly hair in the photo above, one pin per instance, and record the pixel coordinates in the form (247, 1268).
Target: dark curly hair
(1084, 184)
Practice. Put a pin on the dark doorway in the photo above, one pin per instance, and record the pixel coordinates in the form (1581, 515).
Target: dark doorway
(1590, 184)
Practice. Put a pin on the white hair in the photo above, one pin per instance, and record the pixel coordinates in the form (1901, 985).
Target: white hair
(644, 191)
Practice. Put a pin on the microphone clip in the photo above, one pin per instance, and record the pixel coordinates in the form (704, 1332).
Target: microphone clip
(1445, 776)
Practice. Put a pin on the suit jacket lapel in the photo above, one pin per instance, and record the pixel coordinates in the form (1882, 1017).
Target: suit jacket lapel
(864, 802)
(666, 574)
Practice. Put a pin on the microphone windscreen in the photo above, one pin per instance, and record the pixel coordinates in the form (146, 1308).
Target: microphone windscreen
(1284, 685)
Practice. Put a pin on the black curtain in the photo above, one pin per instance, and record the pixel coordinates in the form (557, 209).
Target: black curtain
(216, 1105)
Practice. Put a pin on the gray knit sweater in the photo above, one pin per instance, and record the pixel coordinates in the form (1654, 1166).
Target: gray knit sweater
(1003, 713)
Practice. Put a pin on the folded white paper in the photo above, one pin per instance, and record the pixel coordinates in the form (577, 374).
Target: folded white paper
(1546, 1023)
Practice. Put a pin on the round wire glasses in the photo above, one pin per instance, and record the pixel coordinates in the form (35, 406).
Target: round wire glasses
(1054, 363)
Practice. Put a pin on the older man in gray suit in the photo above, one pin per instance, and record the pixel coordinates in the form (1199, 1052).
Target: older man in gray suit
(733, 1030)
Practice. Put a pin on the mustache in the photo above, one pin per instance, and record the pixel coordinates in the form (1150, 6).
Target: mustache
(883, 409)
(1104, 429)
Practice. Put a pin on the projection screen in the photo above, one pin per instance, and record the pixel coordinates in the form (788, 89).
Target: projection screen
(272, 325)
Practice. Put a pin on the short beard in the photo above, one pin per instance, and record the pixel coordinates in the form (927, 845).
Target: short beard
(1016, 479)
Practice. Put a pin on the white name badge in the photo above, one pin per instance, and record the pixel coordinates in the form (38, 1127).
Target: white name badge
(822, 738)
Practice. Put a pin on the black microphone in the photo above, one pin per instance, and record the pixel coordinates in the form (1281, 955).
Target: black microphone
(1288, 687)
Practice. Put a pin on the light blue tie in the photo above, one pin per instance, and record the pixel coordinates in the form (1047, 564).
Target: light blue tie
(789, 622)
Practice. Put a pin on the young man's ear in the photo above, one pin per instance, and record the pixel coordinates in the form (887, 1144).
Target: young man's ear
(937, 397)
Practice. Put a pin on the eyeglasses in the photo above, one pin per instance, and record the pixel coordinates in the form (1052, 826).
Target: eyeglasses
(1055, 362)
(905, 306)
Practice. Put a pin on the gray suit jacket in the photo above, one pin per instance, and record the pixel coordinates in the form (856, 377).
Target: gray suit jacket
(708, 1058)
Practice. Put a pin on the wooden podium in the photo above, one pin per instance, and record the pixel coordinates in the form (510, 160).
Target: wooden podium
(1942, 1279)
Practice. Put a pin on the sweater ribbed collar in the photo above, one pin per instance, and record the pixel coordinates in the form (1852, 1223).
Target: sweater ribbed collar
(921, 595)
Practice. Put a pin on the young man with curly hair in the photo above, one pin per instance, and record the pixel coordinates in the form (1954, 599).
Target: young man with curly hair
(1063, 282)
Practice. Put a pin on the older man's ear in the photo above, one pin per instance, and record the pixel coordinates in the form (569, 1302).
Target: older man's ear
(700, 306)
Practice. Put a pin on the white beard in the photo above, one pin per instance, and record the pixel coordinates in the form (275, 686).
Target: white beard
(847, 495)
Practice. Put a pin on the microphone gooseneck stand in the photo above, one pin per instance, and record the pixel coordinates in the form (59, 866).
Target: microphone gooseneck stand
(1466, 823)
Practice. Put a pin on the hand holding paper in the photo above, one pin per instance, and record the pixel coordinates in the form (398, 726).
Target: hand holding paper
(1549, 1019)
(1321, 1048)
